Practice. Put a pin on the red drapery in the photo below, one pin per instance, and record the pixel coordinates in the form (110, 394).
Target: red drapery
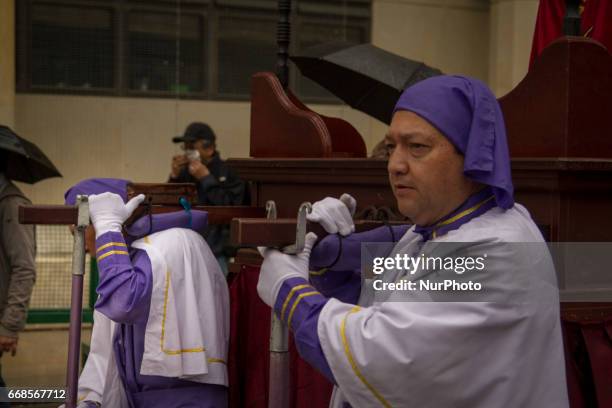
(596, 23)
(588, 361)
(248, 362)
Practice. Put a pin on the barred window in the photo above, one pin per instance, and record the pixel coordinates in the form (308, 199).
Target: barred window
(72, 47)
(156, 41)
(201, 49)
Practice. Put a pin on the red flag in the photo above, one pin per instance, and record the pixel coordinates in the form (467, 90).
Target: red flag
(249, 358)
(596, 23)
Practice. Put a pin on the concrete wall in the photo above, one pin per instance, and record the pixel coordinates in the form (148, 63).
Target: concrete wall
(130, 137)
(7, 62)
(512, 24)
(451, 35)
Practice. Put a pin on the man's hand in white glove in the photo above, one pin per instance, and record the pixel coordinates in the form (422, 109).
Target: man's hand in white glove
(335, 216)
(277, 267)
(108, 212)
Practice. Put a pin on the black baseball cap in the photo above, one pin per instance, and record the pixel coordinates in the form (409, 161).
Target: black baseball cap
(196, 131)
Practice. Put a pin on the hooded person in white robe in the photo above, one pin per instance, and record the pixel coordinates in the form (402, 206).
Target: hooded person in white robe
(162, 335)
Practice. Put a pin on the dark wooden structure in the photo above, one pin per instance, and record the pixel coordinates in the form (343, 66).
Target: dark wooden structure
(560, 136)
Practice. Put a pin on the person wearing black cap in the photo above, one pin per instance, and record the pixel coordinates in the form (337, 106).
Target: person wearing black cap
(216, 182)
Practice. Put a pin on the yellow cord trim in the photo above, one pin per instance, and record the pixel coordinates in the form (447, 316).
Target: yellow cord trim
(289, 296)
(319, 272)
(163, 331)
(300, 297)
(351, 360)
(216, 360)
(109, 253)
(465, 212)
(146, 240)
(119, 244)
(460, 215)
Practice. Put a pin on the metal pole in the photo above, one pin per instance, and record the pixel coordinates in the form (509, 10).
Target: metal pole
(279, 364)
(283, 37)
(76, 301)
(278, 390)
(279, 333)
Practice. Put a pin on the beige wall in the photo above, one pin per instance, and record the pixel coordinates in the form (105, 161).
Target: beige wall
(129, 137)
(512, 25)
(7, 62)
(451, 35)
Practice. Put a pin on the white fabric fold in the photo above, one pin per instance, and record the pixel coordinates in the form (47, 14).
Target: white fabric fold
(99, 381)
(187, 332)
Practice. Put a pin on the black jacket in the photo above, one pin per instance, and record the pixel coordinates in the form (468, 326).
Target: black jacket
(221, 187)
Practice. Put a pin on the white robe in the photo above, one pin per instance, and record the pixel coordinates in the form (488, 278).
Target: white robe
(392, 352)
(93, 376)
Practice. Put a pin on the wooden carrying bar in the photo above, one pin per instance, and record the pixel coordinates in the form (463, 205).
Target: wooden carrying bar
(281, 232)
(67, 215)
(160, 198)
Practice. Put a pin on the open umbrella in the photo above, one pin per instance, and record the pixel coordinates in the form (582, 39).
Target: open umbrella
(24, 160)
(364, 76)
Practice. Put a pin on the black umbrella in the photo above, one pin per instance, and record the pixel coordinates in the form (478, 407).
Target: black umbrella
(366, 77)
(24, 161)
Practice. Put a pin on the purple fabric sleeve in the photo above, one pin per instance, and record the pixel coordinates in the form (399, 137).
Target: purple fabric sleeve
(298, 305)
(338, 253)
(125, 285)
(336, 261)
(342, 285)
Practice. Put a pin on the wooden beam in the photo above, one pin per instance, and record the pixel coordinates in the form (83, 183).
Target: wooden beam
(281, 232)
(67, 215)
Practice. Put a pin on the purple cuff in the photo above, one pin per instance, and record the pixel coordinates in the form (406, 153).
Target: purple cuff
(111, 249)
(298, 305)
(126, 280)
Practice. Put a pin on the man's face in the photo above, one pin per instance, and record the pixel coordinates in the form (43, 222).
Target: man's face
(425, 170)
(206, 150)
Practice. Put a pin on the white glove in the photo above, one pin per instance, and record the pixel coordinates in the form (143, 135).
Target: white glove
(335, 216)
(277, 267)
(108, 211)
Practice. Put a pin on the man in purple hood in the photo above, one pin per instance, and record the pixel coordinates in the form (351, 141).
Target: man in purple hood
(398, 340)
(167, 301)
